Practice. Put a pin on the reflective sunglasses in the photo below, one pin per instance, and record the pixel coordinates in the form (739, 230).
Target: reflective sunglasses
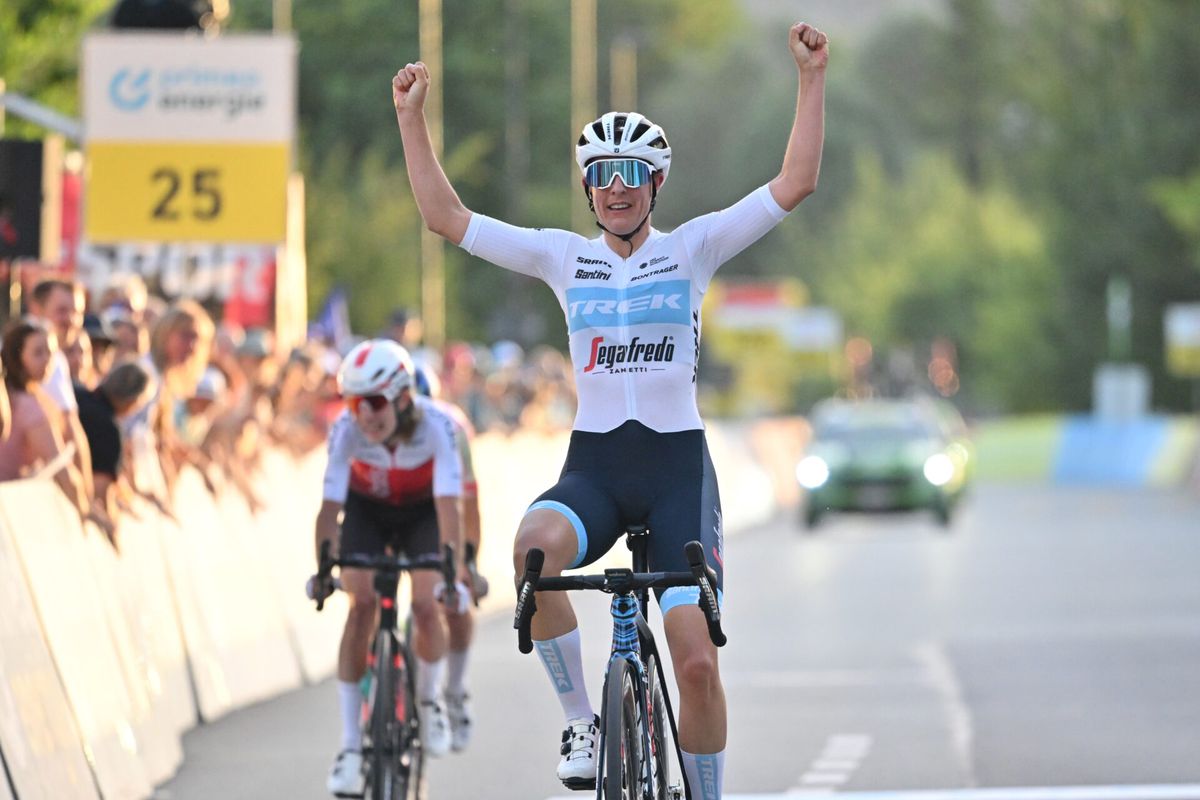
(633, 173)
(377, 402)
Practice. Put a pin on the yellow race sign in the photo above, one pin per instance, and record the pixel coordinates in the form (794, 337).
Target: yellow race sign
(186, 191)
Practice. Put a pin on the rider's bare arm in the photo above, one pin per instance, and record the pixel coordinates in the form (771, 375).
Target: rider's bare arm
(442, 211)
(802, 160)
(327, 523)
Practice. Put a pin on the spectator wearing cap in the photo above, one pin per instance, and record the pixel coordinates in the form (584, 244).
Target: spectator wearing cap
(100, 335)
(100, 410)
(77, 347)
(59, 306)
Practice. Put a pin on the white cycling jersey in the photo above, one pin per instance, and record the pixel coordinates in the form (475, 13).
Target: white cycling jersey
(633, 324)
(416, 471)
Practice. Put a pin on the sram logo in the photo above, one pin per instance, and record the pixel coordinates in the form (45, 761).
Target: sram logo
(636, 352)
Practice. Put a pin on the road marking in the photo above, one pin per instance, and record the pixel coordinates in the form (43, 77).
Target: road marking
(1148, 792)
(836, 763)
(932, 655)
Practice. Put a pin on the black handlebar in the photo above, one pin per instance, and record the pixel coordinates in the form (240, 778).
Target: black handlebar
(706, 579)
(617, 581)
(443, 563)
(526, 605)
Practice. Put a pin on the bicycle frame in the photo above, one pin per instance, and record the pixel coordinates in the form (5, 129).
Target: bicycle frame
(388, 641)
(632, 640)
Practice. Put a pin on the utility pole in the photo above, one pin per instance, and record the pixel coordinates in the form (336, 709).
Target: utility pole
(433, 256)
(623, 68)
(583, 92)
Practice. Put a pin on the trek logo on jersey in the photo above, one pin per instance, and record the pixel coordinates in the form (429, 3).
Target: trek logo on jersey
(661, 302)
(634, 353)
(591, 275)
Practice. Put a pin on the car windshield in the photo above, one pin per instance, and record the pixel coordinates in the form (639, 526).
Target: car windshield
(875, 432)
(875, 424)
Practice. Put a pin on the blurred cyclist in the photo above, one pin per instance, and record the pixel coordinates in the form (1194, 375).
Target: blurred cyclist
(395, 470)
(459, 619)
(632, 298)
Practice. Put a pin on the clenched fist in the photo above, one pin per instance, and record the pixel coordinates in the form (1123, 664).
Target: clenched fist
(810, 47)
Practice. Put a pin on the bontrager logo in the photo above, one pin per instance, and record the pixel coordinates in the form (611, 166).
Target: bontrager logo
(596, 261)
(610, 355)
(591, 275)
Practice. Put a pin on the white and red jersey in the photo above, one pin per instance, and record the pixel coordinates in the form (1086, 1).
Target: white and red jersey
(465, 433)
(414, 471)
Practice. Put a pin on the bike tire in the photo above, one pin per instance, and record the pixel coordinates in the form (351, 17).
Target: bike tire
(623, 766)
(656, 720)
(387, 779)
(412, 755)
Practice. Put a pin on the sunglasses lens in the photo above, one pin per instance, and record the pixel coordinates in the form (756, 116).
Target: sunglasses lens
(377, 402)
(633, 173)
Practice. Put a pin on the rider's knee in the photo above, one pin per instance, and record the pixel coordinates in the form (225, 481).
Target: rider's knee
(548, 534)
(425, 611)
(697, 671)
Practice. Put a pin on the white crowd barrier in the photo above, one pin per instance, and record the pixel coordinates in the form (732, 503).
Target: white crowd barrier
(107, 658)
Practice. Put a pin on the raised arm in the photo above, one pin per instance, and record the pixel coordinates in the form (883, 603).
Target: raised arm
(443, 212)
(802, 160)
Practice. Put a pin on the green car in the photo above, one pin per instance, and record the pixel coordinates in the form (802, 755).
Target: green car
(884, 455)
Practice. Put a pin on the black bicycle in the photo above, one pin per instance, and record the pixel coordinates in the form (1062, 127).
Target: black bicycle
(634, 762)
(393, 758)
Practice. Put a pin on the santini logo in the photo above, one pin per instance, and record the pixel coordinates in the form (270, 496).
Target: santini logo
(609, 355)
(591, 275)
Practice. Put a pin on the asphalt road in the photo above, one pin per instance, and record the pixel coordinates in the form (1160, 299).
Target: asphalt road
(1050, 638)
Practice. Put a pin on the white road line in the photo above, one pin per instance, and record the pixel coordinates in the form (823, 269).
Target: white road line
(836, 763)
(958, 716)
(1148, 792)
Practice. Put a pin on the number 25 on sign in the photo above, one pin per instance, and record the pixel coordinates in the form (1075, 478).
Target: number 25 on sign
(186, 192)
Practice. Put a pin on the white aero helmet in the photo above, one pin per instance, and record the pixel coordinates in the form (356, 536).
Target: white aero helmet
(624, 134)
(377, 366)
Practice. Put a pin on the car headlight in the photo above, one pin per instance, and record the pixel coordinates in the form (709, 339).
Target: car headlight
(939, 469)
(812, 472)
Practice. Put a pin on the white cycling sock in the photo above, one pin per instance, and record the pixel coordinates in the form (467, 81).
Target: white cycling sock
(456, 672)
(705, 773)
(350, 699)
(563, 660)
(429, 679)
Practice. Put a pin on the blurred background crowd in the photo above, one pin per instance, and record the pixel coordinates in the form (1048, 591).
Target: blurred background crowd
(112, 394)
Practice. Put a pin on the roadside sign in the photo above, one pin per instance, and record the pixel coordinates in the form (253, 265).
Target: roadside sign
(188, 138)
(1182, 333)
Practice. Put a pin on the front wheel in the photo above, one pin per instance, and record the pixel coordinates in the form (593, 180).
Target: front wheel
(623, 762)
(387, 775)
(656, 719)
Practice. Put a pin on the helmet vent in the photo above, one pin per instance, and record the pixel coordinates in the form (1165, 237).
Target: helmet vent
(658, 144)
(598, 129)
(619, 126)
(639, 131)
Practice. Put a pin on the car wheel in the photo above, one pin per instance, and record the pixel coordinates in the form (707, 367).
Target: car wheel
(812, 516)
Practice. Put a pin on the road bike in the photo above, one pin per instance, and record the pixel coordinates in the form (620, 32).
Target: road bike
(393, 758)
(633, 761)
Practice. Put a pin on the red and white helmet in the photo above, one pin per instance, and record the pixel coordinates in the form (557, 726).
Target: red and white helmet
(624, 134)
(376, 366)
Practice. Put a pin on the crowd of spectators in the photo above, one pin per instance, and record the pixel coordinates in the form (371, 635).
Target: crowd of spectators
(113, 395)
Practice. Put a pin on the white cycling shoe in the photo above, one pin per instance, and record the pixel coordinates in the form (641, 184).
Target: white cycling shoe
(345, 776)
(577, 769)
(459, 712)
(435, 728)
